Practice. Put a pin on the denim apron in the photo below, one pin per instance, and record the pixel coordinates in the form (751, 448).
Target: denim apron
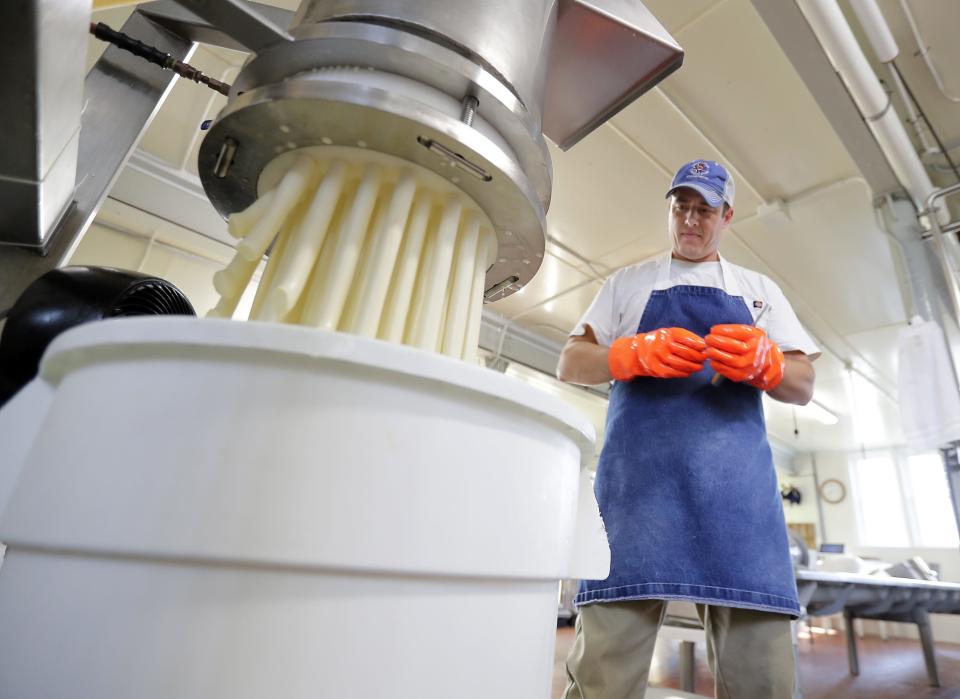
(686, 483)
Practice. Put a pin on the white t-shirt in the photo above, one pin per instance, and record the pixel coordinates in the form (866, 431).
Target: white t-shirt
(618, 307)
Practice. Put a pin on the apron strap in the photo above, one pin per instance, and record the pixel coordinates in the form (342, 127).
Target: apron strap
(729, 280)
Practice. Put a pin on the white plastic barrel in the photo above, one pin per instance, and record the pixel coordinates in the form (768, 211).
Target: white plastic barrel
(210, 509)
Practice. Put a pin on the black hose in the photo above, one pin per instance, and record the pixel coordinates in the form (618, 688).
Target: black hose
(155, 56)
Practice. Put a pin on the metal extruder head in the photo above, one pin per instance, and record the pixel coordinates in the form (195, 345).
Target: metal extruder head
(466, 89)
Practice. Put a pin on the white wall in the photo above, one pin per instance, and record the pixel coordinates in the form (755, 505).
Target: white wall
(840, 524)
(806, 511)
(130, 239)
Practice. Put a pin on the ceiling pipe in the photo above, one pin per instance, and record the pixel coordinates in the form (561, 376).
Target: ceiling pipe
(886, 50)
(838, 41)
(878, 32)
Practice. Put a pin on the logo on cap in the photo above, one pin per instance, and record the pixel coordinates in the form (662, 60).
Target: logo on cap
(708, 177)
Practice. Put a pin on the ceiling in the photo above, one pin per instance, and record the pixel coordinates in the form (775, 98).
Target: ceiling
(804, 215)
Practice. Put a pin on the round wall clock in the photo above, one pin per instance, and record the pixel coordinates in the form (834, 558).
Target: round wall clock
(833, 491)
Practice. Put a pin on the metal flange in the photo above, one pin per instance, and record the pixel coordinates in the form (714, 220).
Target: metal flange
(321, 108)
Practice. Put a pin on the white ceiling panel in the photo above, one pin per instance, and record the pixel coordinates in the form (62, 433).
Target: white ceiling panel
(828, 366)
(677, 16)
(740, 88)
(880, 347)
(816, 318)
(656, 127)
(832, 254)
(638, 251)
(557, 295)
(875, 422)
(606, 195)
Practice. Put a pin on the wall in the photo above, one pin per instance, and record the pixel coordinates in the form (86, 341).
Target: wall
(130, 239)
(806, 511)
(840, 526)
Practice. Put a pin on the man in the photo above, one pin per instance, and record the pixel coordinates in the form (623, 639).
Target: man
(686, 483)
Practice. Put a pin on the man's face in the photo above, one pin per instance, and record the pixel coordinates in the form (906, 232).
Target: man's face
(695, 226)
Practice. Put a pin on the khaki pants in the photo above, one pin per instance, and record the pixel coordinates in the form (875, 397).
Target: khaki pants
(750, 652)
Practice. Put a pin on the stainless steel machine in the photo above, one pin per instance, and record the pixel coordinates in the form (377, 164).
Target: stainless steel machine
(457, 87)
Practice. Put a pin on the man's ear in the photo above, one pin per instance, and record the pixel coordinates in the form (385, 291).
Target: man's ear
(727, 217)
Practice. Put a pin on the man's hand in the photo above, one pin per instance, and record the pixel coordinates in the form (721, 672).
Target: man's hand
(745, 353)
(667, 353)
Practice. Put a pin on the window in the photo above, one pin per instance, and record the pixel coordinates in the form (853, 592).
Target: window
(926, 487)
(904, 502)
(880, 506)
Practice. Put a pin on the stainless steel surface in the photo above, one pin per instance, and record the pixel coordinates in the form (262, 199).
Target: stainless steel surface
(43, 44)
(878, 582)
(875, 597)
(573, 64)
(510, 39)
(606, 54)
(456, 87)
(470, 104)
(317, 110)
(191, 26)
(239, 20)
(122, 93)
(394, 51)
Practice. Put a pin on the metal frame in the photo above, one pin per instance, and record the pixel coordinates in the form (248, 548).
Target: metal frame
(107, 137)
(42, 41)
(885, 599)
(177, 17)
(247, 23)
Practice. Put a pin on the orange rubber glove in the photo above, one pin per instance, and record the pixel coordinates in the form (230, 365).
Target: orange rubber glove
(667, 353)
(745, 353)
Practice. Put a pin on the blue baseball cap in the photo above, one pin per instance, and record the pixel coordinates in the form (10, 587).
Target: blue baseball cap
(708, 177)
